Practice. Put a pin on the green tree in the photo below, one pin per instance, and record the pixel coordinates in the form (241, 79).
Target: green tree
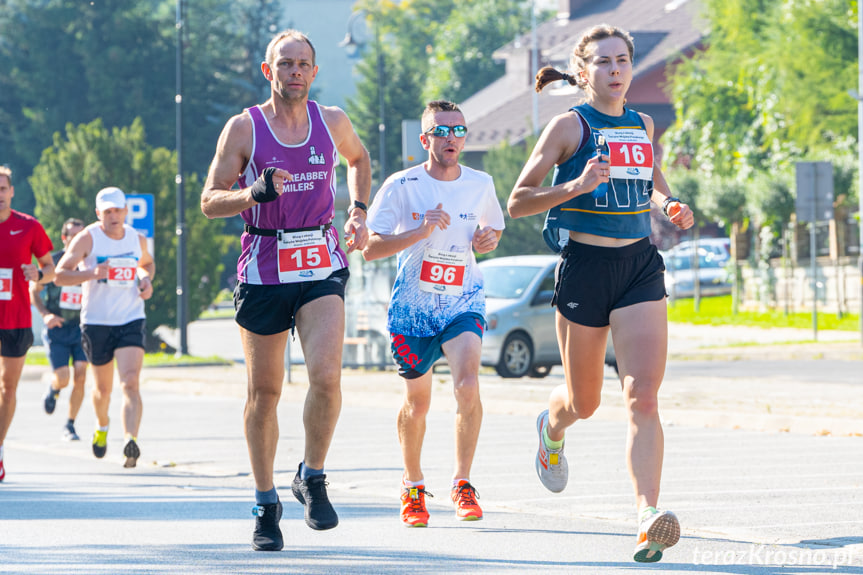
(71, 61)
(430, 49)
(460, 64)
(90, 157)
(522, 235)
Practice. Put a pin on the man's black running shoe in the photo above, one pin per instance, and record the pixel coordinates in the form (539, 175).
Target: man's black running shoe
(132, 453)
(50, 399)
(312, 493)
(267, 535)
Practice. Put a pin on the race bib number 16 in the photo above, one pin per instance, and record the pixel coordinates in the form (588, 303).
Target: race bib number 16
(442, 272)
(630, 153)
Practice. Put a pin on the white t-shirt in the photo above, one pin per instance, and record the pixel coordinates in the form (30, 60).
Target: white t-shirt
(424, 308)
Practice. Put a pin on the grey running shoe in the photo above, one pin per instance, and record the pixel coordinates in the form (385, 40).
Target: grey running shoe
(551, 466)
(657, 532)
(132, 453)
(267, 536)
(69, 432)
(51, 399)
(312, 493)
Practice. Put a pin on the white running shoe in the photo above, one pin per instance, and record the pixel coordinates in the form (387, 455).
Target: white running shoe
(656, 533)
(551, 464)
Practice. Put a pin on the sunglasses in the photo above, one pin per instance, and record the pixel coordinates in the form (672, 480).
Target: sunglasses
(443, 131)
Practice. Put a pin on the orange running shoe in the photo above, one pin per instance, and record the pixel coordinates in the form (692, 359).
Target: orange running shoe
(464, 495)
(414, 512)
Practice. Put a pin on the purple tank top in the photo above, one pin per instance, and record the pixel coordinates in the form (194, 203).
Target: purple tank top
(307, 201)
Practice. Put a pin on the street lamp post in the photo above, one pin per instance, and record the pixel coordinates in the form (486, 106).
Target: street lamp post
(352, 44)
(182, 296)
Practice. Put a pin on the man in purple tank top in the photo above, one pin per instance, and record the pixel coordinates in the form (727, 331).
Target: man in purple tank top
(291, 271)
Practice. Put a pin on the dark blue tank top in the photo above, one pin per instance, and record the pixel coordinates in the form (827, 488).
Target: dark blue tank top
(620, 208)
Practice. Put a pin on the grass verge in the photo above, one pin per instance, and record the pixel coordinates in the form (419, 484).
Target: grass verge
(717, 311)
(37, 356)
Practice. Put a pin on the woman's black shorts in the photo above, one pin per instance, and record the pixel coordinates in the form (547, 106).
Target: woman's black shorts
(591, 280)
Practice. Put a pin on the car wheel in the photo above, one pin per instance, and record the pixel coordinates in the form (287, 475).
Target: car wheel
(517, 357)
(540, 370)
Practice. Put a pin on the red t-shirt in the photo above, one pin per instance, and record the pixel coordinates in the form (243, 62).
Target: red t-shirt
(21, 238)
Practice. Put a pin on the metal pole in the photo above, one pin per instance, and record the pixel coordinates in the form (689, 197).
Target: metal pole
(813, 271)
(860, 153)
(534, 65)
(182, 314)
(382, 127)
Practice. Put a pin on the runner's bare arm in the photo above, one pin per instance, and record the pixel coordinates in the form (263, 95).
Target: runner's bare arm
(679, 213)
(558, 141)
(146, 269)
(68, 273)
(233, 151)
(386, 245)
(355, 154)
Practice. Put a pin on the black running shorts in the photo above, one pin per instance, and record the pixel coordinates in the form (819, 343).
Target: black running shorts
(272, 309)
(15, 342)
(101, 341)
(591, 281)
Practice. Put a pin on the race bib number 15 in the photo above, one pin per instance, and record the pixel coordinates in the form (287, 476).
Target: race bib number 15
(303, 256)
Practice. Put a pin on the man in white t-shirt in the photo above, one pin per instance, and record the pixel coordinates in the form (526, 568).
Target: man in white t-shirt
(435, 216)
(113, 263)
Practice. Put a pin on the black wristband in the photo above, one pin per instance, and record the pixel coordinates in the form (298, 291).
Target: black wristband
(41, 275)
(667, 201)
(357, 204)
(263, 189)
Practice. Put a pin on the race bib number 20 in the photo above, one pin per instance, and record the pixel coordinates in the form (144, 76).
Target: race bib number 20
(121, 272)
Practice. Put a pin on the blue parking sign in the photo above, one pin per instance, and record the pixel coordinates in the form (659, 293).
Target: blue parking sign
(141, 215)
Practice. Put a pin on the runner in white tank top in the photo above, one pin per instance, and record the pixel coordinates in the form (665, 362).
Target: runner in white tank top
(116, 268)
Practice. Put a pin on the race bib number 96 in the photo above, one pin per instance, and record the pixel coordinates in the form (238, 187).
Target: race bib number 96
(442, 272)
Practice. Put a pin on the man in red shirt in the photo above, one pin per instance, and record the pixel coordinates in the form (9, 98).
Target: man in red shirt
(22, 237)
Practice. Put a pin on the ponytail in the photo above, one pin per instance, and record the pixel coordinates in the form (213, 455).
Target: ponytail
(548, 75)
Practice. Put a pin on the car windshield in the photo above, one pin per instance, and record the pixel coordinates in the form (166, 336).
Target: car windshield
(507, 282)
(685, 261)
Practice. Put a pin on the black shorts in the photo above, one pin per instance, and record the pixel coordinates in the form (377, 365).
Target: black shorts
(100, 341)
(591, 281)
(64, 343)
(271, 309)
(15, 342)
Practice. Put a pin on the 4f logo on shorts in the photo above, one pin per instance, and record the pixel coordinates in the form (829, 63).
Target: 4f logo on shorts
(572, 305)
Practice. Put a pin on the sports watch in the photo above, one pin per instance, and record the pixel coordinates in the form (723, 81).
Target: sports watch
(357, 204)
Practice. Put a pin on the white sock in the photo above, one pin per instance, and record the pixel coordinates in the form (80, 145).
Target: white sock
(407, 483)
(1, 453)
(455, 481)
